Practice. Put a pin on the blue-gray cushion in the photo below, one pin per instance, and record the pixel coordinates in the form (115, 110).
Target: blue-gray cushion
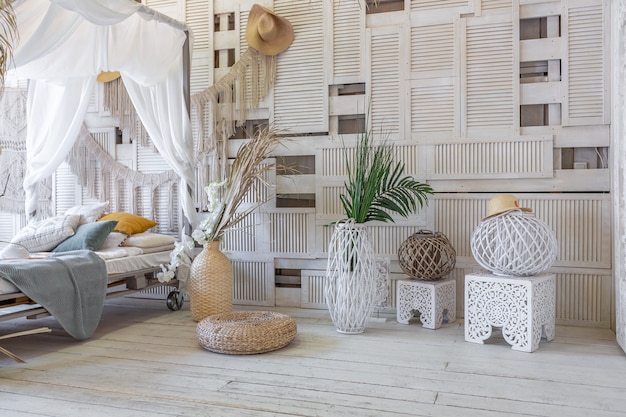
(88, 236)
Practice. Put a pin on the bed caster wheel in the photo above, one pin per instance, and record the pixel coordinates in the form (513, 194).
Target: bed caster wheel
(174, 300)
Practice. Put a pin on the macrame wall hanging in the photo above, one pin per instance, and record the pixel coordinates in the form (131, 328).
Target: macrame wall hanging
(117, 101)
(221, 107)
(13, 156)
(91, 164)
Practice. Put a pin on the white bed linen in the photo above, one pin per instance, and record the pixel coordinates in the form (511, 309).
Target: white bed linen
(119, 265)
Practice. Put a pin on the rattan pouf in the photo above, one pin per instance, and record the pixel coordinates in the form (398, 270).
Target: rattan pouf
(246, 332)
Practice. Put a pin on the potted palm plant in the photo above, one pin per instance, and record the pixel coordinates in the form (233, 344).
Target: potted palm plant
(376, 188)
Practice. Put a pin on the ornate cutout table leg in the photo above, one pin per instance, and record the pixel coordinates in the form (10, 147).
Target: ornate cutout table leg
(433, 299)
(524, 307)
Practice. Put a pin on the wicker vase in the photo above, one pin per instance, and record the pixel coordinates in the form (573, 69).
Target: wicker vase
(350, 286)
(210, 282)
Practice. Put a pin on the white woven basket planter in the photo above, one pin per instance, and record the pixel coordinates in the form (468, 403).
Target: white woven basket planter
(515, 244)
(350, 287)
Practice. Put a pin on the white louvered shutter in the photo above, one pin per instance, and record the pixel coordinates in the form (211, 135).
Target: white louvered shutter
(65, 189)
(199, 18)
(167, 7)
(300, 92)
(386, 99)
(489, 75)
(433, 81)
(437, 4)
(348, 33)
(586, 68)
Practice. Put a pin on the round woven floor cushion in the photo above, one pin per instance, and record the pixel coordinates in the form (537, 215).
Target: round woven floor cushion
(246, 332)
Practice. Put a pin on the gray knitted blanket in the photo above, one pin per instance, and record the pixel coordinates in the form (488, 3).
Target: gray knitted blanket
(70, 285)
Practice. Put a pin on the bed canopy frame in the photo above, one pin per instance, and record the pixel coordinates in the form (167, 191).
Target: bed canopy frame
(64, 45)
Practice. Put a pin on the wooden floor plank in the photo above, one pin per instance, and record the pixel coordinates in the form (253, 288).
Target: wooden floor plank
(144, 359)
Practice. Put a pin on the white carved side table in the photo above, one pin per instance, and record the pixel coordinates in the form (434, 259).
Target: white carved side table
(431, 298)
(524, 307)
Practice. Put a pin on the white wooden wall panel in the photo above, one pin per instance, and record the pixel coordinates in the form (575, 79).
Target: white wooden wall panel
(167, 7)
(385, 83)
(527, 157)
(433, 81)
(489, 75)
(312, 289)
(199, 18)
(584, 299)
(290, 233)
(253, 283)
(578, 220)
(243, 238)
(347, 40)
(437, 4)
(301, 92)
(495, 4)
(66, 191)
(586, 69)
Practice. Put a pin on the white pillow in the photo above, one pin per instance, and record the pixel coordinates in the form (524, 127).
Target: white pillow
(89, 213)
(45, 235)
(113, 240)
(13, 251)
(149, 240)
(163, 248)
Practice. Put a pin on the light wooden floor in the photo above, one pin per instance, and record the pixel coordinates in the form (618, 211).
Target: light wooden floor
(145, 361)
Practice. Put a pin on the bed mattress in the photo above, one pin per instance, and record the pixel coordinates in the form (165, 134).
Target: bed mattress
(120, 261)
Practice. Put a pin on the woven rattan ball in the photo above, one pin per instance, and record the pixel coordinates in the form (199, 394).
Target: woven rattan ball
(427, 256)
(246, 332)
(514, 243)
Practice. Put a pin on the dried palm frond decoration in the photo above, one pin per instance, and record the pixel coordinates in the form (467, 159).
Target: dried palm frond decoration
(246, 175)
(8, 37)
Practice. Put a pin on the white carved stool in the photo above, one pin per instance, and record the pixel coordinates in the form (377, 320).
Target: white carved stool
(522, 306)
(430, 298)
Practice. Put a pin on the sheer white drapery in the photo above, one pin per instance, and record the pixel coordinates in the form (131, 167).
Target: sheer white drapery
(64, 44)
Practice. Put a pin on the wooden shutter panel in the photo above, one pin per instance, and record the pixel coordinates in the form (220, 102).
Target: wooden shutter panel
(385, 97)
(489, 75)
(348, 32)
(200, 20)
(586, 69)
(65, 189)
(437, 4)
(300, 92)
(433, 93)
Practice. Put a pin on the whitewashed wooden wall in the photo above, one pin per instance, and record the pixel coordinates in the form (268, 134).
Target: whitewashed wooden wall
(480, 98)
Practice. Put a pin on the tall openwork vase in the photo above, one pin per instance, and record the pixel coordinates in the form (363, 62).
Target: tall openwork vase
(350, 287)
(210, 282)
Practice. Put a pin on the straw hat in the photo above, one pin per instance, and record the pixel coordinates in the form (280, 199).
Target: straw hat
(268, 33)
(502, 204)
(106, 76)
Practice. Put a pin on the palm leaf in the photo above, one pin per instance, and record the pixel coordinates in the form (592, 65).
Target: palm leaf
(376, 186)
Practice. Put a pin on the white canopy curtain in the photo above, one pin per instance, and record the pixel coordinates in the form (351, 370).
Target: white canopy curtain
(65, 44)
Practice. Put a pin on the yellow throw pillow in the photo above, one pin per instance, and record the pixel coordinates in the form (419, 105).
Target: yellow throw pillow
(129, 223)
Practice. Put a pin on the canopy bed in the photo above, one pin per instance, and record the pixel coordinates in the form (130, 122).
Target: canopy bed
(64, 45)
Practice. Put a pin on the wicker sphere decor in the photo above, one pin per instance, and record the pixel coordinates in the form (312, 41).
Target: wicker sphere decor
(427, 256)
(246, 332)
(514, 243)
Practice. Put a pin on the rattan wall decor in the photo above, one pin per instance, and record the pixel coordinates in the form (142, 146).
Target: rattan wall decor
(514, 243)
(427, 256)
